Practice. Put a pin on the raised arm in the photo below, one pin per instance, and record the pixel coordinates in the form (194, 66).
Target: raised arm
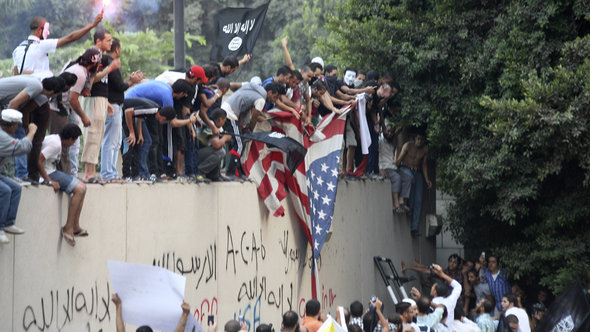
(183, 318)
(245, 59)
(286, 54)
(17, 147)
(75, 35)
(452, 282)
(384, 322)
(119, 313)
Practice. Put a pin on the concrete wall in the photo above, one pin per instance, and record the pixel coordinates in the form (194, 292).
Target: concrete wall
(445, 244)
(237, 259)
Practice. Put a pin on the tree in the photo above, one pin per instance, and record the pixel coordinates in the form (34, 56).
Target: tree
(502, 88)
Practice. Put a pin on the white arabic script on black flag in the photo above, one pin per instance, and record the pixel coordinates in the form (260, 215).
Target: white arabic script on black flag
(236, 31)
(570, 312)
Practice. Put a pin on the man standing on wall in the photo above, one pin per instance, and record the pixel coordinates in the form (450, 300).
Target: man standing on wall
(96, 106)
(111, 141)
(32, 55)
(413, 165)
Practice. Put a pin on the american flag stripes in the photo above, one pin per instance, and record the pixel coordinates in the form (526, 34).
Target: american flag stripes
(313, 185)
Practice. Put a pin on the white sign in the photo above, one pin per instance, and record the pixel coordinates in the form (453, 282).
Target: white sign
(150, 295)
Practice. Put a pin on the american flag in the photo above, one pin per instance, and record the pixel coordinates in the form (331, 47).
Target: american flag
(321, 161)
(313, 185)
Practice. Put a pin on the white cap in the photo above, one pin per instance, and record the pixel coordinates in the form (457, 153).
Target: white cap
(10, 115)
(410, 301)
(319, 60)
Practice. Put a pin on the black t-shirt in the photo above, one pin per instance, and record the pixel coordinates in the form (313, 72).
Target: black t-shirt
(101, 88)
(331, 84)
(117, 85)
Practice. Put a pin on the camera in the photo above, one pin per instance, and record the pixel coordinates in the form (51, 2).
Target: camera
(371, 303)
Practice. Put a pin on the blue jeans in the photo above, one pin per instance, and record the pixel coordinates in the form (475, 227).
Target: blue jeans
(10, 198)
(20, 162)
(111, 144)
(191, 155)
(67, 183)
(144, 151)
(74, 148)
(415, 202)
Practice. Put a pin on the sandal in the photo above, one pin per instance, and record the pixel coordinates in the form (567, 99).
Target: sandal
(95, 180)
(119, 181)
(81, 233)
(68, 238)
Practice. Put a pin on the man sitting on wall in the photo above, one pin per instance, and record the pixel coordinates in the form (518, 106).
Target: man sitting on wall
(10, 190)
(60, 181)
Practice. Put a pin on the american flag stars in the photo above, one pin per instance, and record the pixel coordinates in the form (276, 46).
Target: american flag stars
(322, 188)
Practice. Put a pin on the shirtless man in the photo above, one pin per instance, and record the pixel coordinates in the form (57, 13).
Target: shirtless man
(412, 163)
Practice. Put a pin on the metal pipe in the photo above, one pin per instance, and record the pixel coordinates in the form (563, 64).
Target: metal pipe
(179, 52)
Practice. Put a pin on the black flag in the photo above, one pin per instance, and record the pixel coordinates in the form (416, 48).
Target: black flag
(294, 150)
(570, 312)
(236, 31)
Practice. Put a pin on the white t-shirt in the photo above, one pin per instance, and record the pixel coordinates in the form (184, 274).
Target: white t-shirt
(450, 302)
(523, 318)
(51, 150)
(169, 77)
(494, 276)
(465, 325)
(37, 58)
(386, 154)
(81, 75)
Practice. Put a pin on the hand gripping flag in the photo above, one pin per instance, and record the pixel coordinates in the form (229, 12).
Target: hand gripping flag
(321, 161)
(312, 186)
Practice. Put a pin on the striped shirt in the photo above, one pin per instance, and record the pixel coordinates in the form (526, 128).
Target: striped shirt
(498, 287)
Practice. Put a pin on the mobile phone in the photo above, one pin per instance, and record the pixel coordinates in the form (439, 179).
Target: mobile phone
(210, 320)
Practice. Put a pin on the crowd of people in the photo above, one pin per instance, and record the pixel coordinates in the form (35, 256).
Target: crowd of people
(464, 297)
(480, 296)
(179, 125)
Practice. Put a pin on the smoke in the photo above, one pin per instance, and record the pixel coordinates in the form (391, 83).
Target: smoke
(138, 15)
(148, 6)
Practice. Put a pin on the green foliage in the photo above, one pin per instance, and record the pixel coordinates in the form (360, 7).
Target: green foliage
(503, 88)
(304, 30)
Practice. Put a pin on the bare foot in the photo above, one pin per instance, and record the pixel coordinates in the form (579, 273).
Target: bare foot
(416, 262)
